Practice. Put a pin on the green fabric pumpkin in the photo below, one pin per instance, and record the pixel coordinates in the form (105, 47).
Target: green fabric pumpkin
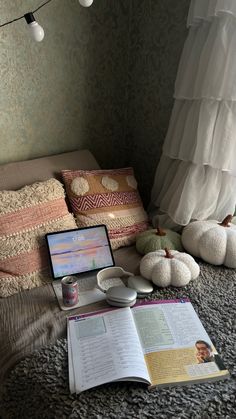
(156, 239)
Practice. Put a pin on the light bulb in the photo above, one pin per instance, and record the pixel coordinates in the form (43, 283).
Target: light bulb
(86, 3)
(36, 30)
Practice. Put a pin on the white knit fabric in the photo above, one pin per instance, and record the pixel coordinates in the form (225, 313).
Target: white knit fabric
(195, 178)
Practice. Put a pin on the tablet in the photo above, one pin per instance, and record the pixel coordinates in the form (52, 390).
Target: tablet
(79, 250)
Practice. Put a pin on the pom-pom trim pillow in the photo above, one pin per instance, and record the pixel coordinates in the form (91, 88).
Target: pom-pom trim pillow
(107, 197)
(26, 216)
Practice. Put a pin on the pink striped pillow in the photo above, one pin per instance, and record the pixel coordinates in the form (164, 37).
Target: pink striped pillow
(26, 216)
(107, 197)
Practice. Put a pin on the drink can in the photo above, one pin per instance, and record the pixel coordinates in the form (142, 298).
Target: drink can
(70, 292)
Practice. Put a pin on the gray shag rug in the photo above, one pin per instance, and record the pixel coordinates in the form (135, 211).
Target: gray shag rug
(38, 386)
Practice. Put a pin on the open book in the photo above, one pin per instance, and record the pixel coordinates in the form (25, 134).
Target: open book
(158, 343)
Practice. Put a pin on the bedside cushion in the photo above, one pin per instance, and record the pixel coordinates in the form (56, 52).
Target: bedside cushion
(26, 216)
(107, 197)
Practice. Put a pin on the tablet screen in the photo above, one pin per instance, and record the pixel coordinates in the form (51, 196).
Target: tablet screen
(80, 250)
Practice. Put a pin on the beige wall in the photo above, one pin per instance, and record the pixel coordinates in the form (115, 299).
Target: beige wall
(102, 78)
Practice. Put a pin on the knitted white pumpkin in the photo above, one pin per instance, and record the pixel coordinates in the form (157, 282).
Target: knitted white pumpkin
(169, 268)
(212, 241)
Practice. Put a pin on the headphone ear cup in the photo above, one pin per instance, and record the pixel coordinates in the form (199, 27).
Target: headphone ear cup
(121, 296)
(117, 304)
(142, 286)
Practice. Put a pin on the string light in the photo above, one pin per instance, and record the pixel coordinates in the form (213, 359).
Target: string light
(86, 3)
(35, 29)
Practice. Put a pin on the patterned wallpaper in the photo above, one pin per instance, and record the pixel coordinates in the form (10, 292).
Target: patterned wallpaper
(102, 78)
(156, 37)
(66, 92)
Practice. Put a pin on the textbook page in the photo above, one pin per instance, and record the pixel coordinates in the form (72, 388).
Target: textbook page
(168, 331)
(105, 347)
(70, 362)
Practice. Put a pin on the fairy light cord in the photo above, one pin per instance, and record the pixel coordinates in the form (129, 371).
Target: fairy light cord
(23, 16)
(43, 4)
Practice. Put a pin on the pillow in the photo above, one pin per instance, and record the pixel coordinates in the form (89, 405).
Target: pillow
(107, 197)
(26, 216)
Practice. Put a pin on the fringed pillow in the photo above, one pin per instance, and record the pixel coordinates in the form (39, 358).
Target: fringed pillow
(107, 197)
(26, 216)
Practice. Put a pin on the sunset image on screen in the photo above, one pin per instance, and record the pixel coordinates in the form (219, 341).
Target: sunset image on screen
(79, 251)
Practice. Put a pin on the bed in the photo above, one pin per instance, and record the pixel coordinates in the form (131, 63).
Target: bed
(31, 321)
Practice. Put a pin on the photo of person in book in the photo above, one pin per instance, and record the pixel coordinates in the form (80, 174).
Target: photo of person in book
(204, 354)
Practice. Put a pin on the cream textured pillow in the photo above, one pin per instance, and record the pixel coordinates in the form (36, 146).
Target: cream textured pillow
(26, 216)
(107, 197)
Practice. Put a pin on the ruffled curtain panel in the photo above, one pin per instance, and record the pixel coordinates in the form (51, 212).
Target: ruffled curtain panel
(196, 175)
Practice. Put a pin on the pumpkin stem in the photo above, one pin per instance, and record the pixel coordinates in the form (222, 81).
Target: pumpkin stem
(226, 221)
(160, 232)
(168, 254)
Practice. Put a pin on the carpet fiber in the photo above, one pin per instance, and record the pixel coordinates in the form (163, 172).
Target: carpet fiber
(38, 386)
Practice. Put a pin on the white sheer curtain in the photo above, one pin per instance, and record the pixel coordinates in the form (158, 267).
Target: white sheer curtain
(196, 175)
